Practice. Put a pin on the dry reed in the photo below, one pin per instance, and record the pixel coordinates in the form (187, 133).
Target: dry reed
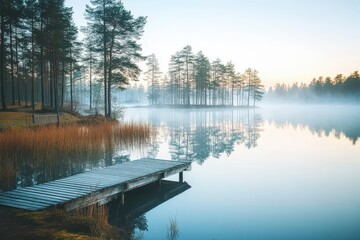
(87, 223)
(172, 229)
(68, 145)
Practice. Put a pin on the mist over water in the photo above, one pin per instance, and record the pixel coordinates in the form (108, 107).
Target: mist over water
(276, 172)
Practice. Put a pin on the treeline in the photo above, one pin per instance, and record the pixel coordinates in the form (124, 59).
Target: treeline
(322, 90)
(41, 57)
(193, 80)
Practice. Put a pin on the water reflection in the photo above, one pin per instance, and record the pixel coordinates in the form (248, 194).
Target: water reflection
(293, 185)
(28, 172)
(196, 135)
(321, 120)
(131, 216)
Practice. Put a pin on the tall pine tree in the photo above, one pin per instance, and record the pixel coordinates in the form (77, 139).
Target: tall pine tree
(116, 44)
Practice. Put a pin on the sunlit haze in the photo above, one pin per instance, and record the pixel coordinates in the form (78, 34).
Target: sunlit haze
(286, 41)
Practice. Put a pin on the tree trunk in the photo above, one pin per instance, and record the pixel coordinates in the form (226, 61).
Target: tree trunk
(109, 85)
(42, 69)
(249, 90)
(105, 57)
(110, 70)
(3, 59)
(17, 66)
(56, 92)
(90, 80)
(25, 84)
(51, 79)
(62, 81)
(187, 83)
(12, 65)
(71, 82)
(32, 64)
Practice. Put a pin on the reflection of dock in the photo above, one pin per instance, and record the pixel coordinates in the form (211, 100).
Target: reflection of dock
(98, 186)
(142, 200)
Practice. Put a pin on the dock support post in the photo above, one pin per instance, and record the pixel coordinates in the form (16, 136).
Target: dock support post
(181, 177)
(122, 198)
(159, 184)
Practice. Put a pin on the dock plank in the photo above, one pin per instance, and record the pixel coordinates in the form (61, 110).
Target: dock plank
(90, 187)
(52, 193)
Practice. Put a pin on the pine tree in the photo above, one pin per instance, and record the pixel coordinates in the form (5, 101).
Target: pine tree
(188, 59)
(153, 75)
(4, 6)
(202, 78)
(117, 34)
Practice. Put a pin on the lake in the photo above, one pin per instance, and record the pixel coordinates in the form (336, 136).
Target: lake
(275, 172)
(267, 173)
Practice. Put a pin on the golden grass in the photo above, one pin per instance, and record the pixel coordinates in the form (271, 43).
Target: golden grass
(63, 147)
(87, 223)
(51, 149)
(19, 118)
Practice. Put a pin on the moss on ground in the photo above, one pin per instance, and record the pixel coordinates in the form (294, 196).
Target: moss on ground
(59, 224)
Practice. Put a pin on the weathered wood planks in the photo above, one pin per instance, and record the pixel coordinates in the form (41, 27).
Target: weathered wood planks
(98, 186)
(46, 118)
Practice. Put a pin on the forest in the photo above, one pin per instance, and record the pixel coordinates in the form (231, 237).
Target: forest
(43, 62)
(193, 80)
(339, 89)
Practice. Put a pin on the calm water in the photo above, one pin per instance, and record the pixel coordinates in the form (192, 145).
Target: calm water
(269, 173)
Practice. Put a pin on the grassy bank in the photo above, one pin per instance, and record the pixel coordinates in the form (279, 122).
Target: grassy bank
(54, 152)
(87, 223)
(24, 119)
(49, 152)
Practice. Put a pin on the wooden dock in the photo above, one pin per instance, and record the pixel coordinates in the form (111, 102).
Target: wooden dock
(98, 186)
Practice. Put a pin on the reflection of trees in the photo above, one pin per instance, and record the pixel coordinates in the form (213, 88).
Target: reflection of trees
(128, 226)
(320, 120)
(130, 216)
(200, 144)
(153, 149)
(253, 129)
(196, 135)
(28, 172)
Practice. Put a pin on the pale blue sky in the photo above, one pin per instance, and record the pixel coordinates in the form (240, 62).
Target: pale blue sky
(285, 40)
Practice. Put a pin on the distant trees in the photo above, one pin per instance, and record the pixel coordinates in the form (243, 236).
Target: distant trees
(202, 78)
(153, 76)
(320, 89)
(193, 80)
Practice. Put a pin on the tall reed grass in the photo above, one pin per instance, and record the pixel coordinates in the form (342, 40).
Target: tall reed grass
(55, 149)
(172, 229)
(87, 223)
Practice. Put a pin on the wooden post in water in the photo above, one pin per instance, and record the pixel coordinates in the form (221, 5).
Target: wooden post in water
(122, 198)
(181, 177)
(159, 184)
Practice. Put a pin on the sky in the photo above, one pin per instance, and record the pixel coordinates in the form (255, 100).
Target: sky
(287, 41)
